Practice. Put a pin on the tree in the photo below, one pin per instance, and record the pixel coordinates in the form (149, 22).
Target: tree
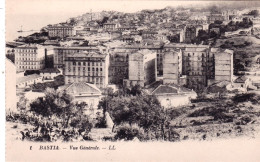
(22, 104)
(59, 104)
(202, 36)
(144, 111)
(52, 103)
(136, 90)
(254, 13)
(72, 21)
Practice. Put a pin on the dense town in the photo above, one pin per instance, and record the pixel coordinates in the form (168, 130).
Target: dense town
(170, 74)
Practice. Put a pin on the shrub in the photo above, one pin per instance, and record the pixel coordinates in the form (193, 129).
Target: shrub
(129, 132)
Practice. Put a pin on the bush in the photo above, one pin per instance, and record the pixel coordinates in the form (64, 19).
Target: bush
(245, 97)
(129, 132)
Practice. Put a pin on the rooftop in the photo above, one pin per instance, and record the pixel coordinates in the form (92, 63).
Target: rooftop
(241, 79)
(87, 54)
(34, 46)
(159, 88)
(89, 47)
(27, 78)
(80, 89)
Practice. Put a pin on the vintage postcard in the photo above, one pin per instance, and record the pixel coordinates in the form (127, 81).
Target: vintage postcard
(132, 80)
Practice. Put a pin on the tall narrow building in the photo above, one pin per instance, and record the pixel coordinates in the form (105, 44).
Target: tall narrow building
(172, 66)
(223, 65)
(142, 68)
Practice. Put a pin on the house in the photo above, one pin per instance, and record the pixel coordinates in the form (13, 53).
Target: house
(50, 73)
(242, 83)
(84, 92)
(25, 81)
(172, 95)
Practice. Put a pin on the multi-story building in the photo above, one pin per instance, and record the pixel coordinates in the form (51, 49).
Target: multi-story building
(118, 66)
(190, 33)
(201, 65)
(194, 66)
(90, 67)
(216, 17)
(142, 68)
(110, 26)
(60, 31)
(223, 64)
(29, 57)
(172, 68)
(60, 53)
(158, 48)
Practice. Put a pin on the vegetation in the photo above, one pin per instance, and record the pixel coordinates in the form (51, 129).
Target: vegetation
(54, 117)
(130, 107)
(58, 81)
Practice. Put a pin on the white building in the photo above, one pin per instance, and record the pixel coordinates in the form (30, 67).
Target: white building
(84, 92)
(29, 57)
(50, 73)
(25, 81)
(171, 95)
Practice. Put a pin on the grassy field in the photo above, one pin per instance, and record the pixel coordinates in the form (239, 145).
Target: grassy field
(220, 118)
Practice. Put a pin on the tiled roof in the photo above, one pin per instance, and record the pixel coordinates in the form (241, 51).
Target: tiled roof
(81, 88)
(168, 89)
(162, 89)
(241, 79)
(27, 78)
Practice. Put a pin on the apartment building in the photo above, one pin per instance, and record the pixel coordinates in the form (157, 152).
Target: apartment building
(201, 65)
(172, 66)
(60, 31)
(158, 48)
(142, 68)
(194, 66)
(60, 53)
(90, 67)
(118, 66)
(29, 57)
(223, 64)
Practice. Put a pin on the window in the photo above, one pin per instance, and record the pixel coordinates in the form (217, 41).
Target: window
(79, 63)
(74, 63)
(84, 63)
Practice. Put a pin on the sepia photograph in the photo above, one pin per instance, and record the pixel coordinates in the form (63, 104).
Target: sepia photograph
(98, 80)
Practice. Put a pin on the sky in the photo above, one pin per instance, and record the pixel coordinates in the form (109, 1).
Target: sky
(35, 14)
(82, 6)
